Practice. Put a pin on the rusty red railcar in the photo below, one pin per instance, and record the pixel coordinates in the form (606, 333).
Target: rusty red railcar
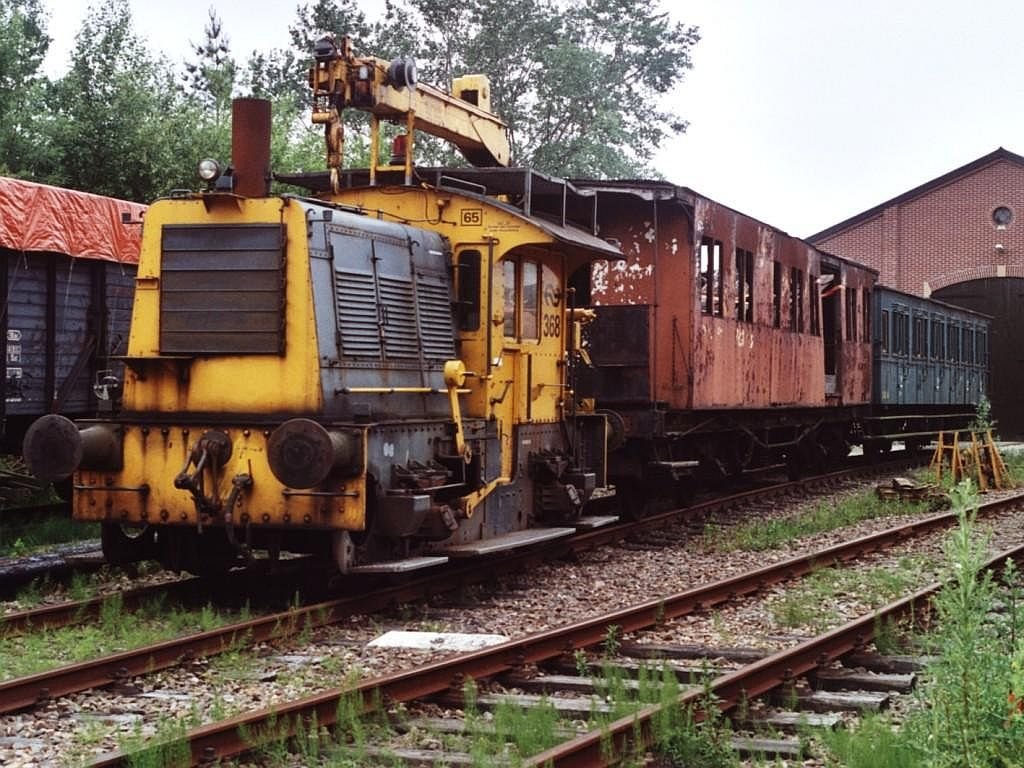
(720, 343)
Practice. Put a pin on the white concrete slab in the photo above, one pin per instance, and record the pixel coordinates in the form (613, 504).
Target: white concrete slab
(436, 641)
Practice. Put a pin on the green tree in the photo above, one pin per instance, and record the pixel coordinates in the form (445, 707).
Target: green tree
(580, 83)
(23, 44)
(210, 83)
(119, 111)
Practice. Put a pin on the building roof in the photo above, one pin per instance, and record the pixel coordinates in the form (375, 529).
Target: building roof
(38, 217)
(928, 186)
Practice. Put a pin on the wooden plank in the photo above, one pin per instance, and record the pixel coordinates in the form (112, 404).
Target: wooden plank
(686, 674)
(787, 749)
(456, 726)
(841, 701)
(792, 722)
(875, 662)
(848, 680)
(674, 651)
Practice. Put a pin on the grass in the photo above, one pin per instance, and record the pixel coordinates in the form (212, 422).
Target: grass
(807, 603)
(760, 535)
(113, 631)
(21, 535)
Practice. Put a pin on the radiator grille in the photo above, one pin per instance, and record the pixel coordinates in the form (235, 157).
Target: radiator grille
(222, 289)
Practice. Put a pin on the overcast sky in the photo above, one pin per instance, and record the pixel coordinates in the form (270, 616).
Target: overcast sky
(802, 112)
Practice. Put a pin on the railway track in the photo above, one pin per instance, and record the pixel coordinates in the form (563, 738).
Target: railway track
(233, 736)
(28, 691)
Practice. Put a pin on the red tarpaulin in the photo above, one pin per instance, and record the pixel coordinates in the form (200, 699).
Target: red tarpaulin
(36, 217)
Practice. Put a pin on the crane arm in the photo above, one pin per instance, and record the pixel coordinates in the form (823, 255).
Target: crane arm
(390, 91)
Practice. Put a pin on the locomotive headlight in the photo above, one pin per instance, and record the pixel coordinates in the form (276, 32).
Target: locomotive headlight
(209, 169)
(302, 453)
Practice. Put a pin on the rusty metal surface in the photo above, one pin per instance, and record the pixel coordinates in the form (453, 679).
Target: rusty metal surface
(747, 340)
(224, 739)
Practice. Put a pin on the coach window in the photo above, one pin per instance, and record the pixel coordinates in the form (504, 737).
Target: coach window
(776, 294)
(920, 349)
(883, 331)
(814, 296)
(467, 277)
(744, 285)
(982, 348)
(851, 314)
(711, 276)
(901, 343)
(969, 346)
(866, 307)
(938, 341)
(953, 343)
(796, 299)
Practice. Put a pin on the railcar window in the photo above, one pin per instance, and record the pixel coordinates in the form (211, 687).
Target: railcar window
(938, 341)
(467, 294)
(776, 294)
(744, 285)
(531, 300)
(901, 344)
(814, 293)
(953, 343)
(509, 273)
(920, 338)
(883, 331)
(796, 299)
(866, 307)
(982, 348)
(851, 314)
(968, 345)
(711, 276)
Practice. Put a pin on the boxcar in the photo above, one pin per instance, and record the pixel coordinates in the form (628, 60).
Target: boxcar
(67, 269)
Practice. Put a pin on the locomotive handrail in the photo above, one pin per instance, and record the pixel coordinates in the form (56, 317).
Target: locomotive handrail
(397, 390)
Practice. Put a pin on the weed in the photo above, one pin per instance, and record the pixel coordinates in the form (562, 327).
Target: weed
(167, 748)
(759, 535)
(698, 736)
(612, 641)
(969, 712)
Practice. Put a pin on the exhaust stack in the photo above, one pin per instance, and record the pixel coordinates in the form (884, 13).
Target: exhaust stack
(250, 146)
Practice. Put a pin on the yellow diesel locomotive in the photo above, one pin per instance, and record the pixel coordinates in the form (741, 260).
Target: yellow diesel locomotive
(381, 374)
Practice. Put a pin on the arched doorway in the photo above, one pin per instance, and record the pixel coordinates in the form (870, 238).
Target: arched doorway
(1003, 299)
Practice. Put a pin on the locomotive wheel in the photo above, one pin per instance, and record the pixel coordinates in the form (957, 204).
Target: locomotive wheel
(207, 555)
(123, 545)
(631, 498)
(834, 447)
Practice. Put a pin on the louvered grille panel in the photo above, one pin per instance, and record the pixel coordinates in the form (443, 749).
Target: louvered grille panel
(396, 297)
(222, 289)
(357, 314)
(436, 320)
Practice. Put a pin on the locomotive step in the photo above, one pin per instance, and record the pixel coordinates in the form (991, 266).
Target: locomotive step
(507, 541)
(590, 522)
(400, 566)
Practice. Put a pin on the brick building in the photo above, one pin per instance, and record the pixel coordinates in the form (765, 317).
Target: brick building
(959, 238)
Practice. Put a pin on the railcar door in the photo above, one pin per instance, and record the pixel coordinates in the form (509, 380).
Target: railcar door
(831, 328)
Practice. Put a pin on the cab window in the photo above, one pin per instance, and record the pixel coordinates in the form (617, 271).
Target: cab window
(522, 299)
(531, 300)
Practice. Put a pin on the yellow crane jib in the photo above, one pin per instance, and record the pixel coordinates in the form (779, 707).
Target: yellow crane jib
(390, 91)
